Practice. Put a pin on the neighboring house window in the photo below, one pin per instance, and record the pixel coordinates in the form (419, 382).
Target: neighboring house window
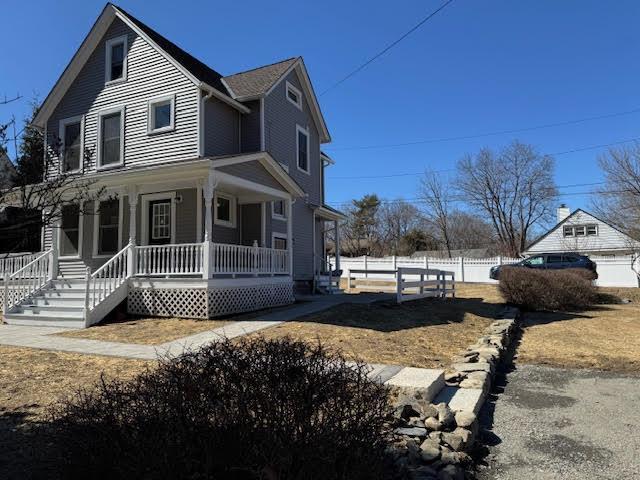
(278, 241)
(161, 114)
(116, 59)
(71, 138)
(111, 137)
(302, 147)
(580, 230)
(278, 210)
(225, 210)
(108, 222)
(294, 95)
(70, 227)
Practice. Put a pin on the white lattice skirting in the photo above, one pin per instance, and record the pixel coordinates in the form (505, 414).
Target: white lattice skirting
(208, 302)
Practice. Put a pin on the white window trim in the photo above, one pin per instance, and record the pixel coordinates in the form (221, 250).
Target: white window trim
(96, 227)
(144, 216)
(281, 236)
(306, 132)
(289, 86)
(564, 233)
(103, 113)
(232, 210)
(150, 117)
(592, 225)
(107, 60)
(61, 134)
(80, 233)
(277, 216)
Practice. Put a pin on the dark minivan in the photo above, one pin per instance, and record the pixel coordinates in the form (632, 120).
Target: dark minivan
(550, 261)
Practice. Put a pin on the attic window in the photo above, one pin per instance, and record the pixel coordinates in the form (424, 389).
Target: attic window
(294, 95)
(116, 59)
(580, 230)
(161, 114)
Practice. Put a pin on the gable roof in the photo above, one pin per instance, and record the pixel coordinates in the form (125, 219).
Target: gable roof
(200, 74)
(573, 214)
(257, 81)
(232, 89)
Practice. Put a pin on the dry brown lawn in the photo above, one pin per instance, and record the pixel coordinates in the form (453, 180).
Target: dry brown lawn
(145, 331)
(605, 337)
(30, 381)
(423, 333)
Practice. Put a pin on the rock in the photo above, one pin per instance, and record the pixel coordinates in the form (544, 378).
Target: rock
(412, 431)
(408, 410)
(468, 437)
(413, 451)
(465, 419)
(416, 422)
(429, 411)
(472, 367)
(472, 383)
(445, 415)
(447, 457)
(437, 436)
(451, 472)
(625, 300)
(432, 423)
(455, 441)
(430, 450)
(423, 473)
(452, 376)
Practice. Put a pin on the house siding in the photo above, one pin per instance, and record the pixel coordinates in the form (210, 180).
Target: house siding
(608, 238)
(281, 118)
(254, 172)
(221, 124)
(149, 74)
(250, 128)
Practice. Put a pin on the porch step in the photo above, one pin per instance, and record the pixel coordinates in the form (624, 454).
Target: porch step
(43, 321)
(57, 310)
(68, 301)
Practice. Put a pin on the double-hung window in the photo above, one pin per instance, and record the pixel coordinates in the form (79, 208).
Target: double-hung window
(225, 210)
(302, 148)
(278, 210)
(108, 222)
(111, 137)
(294, 95)
(116, 59)
(70, 228)
(71, 138)
(279, 241)
(161, 114)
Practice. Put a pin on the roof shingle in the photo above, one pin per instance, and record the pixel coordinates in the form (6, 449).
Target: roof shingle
(257, 81)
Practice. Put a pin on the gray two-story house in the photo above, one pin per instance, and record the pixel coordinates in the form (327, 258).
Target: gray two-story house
(212, 186)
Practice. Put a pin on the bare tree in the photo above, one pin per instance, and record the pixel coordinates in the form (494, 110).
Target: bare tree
(395, 220)
(514, 188)
(437, 197)
(470, 231)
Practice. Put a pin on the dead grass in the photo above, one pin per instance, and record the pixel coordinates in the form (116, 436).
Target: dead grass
(605, 337)
(145, 331)
(30, 381)
(423, 333)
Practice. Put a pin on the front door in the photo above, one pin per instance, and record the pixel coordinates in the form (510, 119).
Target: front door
(159, 222)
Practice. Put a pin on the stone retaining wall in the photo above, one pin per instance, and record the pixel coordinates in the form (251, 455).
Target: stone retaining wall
(433, 440)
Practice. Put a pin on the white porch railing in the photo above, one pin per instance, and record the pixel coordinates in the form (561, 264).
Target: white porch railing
(27, 280)
(105, 280)
(181, 259)
(243, 260)
(13, 263)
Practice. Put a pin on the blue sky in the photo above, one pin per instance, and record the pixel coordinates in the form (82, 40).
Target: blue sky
(477, 67)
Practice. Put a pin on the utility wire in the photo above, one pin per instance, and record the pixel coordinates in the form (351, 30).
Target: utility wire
(488, 134)
(388, 47)
(411, 174)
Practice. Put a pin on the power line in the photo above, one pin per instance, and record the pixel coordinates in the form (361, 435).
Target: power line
(489, 134)
(411, 174)
(388, 47)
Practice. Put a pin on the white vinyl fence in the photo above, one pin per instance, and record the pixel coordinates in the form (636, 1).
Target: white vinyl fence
(612, 271)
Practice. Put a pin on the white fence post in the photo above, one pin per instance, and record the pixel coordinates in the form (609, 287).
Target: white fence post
(366, 267)
(394, 259)
(6, 293)
(399, 285)
(462, 269)
(500, 260)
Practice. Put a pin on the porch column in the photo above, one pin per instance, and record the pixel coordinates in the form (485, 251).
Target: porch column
(337, 242)
(55, 249)
(133, 213)
(290, 234)
(208, 192)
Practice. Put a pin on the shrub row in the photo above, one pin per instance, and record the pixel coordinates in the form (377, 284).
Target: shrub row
(547, 289)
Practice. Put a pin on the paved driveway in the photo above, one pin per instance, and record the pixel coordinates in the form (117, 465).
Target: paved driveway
(554, 423)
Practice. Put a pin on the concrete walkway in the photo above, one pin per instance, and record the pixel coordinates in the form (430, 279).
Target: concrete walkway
(45, 338)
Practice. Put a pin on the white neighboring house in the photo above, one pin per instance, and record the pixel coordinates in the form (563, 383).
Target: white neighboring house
(583, 232)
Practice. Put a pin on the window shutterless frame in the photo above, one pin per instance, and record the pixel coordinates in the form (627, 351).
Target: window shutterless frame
(160, 101)
(305, 132)
(60, 232)
(99, 155)
(97, 229)
(109, 44)
(276, 215)
(231, 223)
(294, 95)
(78, 119)
(279, 236)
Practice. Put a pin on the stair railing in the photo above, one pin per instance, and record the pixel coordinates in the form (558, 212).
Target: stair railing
(108, 278)
(26, 281)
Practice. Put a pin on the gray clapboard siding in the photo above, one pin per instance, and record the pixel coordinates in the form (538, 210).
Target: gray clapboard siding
(254, 172)
(149, 75)
(221, 124)
(250, 128)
